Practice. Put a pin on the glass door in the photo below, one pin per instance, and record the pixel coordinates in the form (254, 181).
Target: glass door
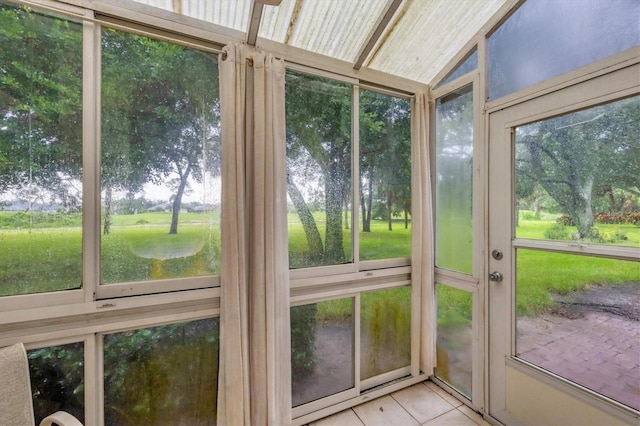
(564, 271)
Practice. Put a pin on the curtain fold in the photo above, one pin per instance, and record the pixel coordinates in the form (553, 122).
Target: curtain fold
(422, 236)
(269, 268)
(254, 381)
(233, 379)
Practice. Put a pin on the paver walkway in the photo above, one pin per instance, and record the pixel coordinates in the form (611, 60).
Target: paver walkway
(599, 350)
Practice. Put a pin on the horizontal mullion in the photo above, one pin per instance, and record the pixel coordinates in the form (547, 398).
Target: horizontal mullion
(616, 252)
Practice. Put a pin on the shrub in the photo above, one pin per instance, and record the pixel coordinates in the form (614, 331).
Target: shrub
(557, 231)
(565, 220)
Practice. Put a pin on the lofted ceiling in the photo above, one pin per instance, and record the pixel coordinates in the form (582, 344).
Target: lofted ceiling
(413, 39)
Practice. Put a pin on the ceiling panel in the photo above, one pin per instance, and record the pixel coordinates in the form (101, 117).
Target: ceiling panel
(421, 39)
(429, 35)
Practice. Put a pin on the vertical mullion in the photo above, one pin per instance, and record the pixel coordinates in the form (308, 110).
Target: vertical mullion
(92, 382)
(356, 343)
(355, 176)
(90, 158)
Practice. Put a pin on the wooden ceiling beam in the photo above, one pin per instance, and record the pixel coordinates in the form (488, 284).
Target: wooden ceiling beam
(376, 33)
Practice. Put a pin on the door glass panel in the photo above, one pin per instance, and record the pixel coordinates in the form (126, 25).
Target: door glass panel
(545, 38)
(454, 348)
(318, 114)
(57, 380)
(579, 317)
(385, 331)
(578, 176)
(162, 375)
(385, 176)
(161, 160)
(40, 152)
(454, 181)
(322, 349)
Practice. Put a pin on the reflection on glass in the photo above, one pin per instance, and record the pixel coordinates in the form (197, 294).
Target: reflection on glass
(322, 352)
(577, 176)
(385, 176)
(162, 375)
(40, 152)
(470, 64)
(578, 317)
(160, 160)
(57, 380)
(545, 38)
(385, 331)
(454, 167)
(454, 349)
(318, 170)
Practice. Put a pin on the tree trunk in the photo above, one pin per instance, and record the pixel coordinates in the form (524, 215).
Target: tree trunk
(365, 205)
(406, 219)
(333, 250)
(177, 201)
(314, 240)
(346, 212)
(107, 211)
(389, 206)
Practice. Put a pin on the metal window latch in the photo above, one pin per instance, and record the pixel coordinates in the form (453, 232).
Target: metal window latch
(495, 276)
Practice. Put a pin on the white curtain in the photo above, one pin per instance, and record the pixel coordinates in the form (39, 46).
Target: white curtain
(269, 267)
(233, 377)
(258, 379)
(422, 236)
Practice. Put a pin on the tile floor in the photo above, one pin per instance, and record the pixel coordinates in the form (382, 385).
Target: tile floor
(421, 404)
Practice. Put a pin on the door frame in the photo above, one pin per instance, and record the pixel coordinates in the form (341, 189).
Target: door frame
(595, 90)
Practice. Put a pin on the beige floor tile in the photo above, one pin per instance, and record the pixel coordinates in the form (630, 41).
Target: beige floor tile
(452, 418)
(343, 418)
(384, 411)
(473, 415)
(450, 399)
(422, 403)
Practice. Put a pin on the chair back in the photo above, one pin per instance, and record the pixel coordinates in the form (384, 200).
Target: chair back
(16, 405)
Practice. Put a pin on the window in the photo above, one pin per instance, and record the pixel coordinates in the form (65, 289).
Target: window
(454, 181)
(162, 374)
(40, 152)
(469, 64)
(576, 183)
(545, 38)
(385, 176)
(318, 114)
(160, 160)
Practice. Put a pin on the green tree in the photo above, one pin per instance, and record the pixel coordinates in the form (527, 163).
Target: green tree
(40, 106)
(160, 115)
(576, 156)
(319, 138)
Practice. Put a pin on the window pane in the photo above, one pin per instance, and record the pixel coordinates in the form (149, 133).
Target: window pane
(318, 170)
(160, 160)
(545, 38)
(454, 168)
(454, 349)
(40, 152)
(385, 176)
(578, 175)
(322, 351)
(162, 375)
(385, 331)
(57, 380)
(578, 317)
(470, 64)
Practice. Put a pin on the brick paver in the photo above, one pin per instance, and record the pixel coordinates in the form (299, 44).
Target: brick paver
(600, 351)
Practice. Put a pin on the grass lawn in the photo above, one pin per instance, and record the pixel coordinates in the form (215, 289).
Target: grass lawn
(140, 248)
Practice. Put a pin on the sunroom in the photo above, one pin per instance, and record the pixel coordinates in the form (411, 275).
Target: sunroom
(275, 212)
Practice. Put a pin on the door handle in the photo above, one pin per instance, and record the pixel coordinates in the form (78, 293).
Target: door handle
(495, 276)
